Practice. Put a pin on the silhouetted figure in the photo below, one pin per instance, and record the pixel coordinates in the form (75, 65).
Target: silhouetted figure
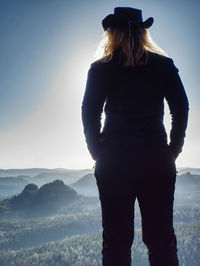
(133, 158)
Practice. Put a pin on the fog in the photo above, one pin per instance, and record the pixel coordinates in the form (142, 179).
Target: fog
(46, 211)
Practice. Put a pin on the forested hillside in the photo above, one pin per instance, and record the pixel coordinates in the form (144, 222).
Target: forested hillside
(85, 250)
(54, 225)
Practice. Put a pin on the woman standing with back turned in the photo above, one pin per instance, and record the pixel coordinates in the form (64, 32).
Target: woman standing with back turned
(133, 158)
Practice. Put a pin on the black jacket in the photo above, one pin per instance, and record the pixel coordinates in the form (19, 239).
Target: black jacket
(134, 103)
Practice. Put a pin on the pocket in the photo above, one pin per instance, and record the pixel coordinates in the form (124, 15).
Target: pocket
(103, 149)
(100, 149)
(170, 151)
(173, 159)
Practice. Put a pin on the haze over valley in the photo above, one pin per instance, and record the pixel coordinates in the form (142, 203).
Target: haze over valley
(51, 216)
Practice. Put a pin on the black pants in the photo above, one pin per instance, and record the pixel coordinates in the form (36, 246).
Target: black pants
(124, 172)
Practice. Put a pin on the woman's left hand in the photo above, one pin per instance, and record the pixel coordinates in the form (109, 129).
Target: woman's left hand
(94, 166)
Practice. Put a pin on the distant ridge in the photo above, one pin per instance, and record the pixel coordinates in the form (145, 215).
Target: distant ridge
(183, 170)
(85, 182)
(189, 181)
(35, 171)
(86, 185)
(46, 200)
(12, 181)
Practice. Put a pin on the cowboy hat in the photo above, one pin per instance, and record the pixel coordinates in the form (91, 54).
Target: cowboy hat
(124, 15)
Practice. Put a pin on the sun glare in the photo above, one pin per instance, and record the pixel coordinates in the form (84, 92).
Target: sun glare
(100, 47)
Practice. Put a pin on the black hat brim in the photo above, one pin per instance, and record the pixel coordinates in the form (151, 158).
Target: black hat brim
(112, 21)
(148, 23)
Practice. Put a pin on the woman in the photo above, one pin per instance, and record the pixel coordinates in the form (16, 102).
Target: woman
(133, 159)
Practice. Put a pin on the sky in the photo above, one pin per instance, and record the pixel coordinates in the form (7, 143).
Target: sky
(46, 49)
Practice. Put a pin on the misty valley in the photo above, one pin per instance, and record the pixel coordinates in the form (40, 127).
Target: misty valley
(52, 217)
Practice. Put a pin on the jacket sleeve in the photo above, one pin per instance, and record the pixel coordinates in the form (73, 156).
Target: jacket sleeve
(177, 100)
(92, 107)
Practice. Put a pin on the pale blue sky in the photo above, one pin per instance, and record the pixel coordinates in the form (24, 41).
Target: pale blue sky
(45, 50)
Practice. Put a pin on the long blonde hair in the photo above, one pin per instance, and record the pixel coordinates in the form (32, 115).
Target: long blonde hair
(134, 48)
